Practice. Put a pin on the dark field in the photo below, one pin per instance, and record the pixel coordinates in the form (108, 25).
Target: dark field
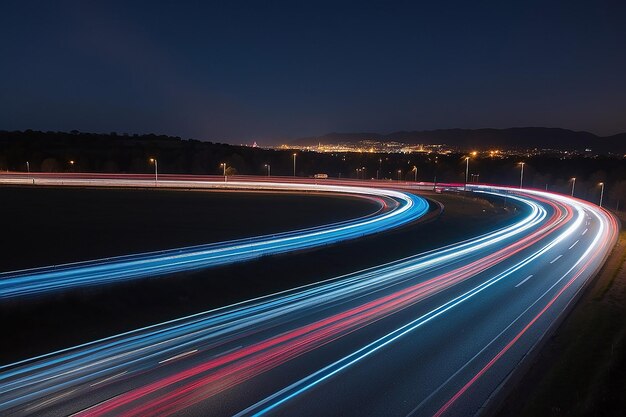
(64, 319)
(48, 226)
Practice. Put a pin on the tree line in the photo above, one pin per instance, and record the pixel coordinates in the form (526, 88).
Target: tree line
(116, 153)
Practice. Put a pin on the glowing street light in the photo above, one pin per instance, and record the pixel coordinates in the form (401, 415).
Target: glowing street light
(27, 167)
(399, 175)
(294, 164)
(573, 185)
(415, 171)
(156, 170)
(601, 192)
(467, 158)
(223, 165)
(521, 176)
(268, 169)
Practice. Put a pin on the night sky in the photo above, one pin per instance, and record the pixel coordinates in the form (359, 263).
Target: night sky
(270, 71)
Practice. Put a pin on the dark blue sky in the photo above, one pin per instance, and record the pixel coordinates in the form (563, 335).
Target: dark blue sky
(242, 71)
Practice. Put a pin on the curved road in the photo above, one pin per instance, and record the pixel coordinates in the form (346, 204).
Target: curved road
(395, 209)
(433, 334)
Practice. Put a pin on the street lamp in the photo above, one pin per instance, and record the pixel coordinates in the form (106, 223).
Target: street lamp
(380, 168)
(223, 165)
(415, 170)
(268, 169)
(156, 170)
(521, 176)
(573, 185)
(601, 192)
(364, 172)
(294, 164)
(399, 175)
(27, 167)
(467, 158)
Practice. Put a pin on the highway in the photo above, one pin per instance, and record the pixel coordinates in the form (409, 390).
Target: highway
(434, 334)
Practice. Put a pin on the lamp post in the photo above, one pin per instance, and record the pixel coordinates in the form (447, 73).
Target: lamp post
(223, 165)
(601, 192)
(573, 185)
(415, 170)
(399, 175)
(467, 158)
(521, 176)
(72, 164)
(156, 170)
(380, 168)
(27, 167)
(268, 169)
(294, 164)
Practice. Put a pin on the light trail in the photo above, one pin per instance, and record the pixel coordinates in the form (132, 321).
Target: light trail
(407, 208)
(324, 374)
(87, 361)
(604, 238)
(180, 364)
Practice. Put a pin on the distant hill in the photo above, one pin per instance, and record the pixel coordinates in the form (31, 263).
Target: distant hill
(517, 137)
